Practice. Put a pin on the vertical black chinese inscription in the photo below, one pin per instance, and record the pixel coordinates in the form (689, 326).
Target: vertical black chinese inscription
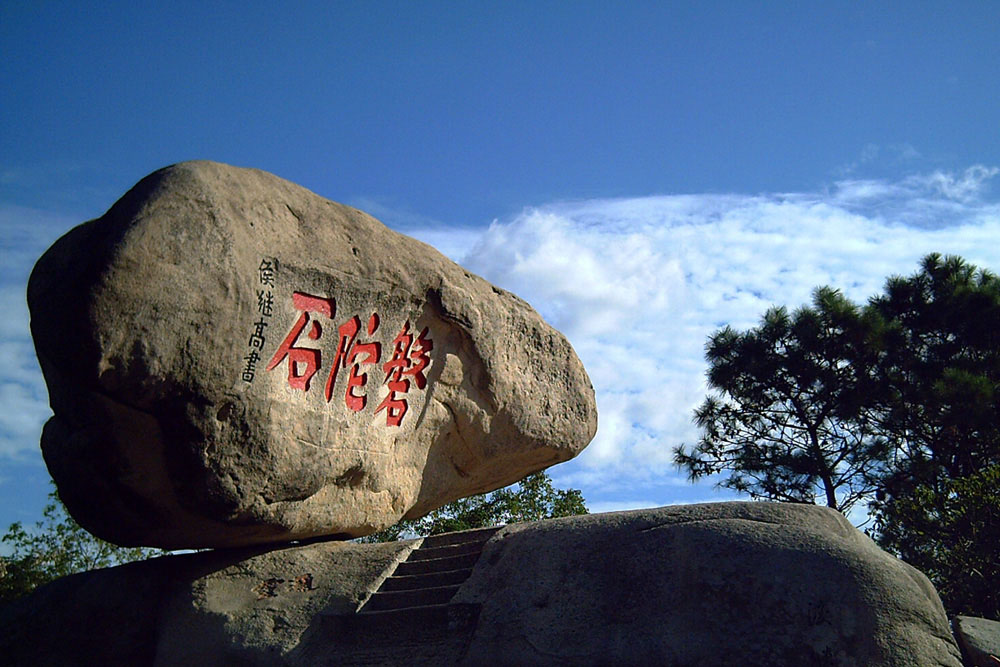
(265, 308)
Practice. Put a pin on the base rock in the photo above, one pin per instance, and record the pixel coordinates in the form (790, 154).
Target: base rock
(726, 583)
(979, 639)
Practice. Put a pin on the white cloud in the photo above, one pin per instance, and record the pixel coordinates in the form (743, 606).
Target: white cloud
(450, 240)
(24, 412)
(26, 233)
(14, 306)
(637, 285)
(966, 187)
(874, 155)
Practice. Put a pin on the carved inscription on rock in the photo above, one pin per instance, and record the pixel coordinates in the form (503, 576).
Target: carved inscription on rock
(265, 308)
(357, 354)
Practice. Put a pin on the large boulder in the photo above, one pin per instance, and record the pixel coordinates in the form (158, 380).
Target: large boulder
(744, 583)
(232, 359)
(752, 584)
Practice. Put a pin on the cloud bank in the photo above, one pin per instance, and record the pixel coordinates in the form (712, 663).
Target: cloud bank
(26, 234)
(638, 285)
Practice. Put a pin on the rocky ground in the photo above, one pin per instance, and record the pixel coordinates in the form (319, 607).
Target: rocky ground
(755, 583)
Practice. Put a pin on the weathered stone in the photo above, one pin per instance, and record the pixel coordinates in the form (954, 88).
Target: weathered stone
(249, 606)
(742, 583)
(753, 584)
(979, 639)
(232, 359)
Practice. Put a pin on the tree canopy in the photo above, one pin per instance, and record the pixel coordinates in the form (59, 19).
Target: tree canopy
(895, 404)
(938, 502)
(531, 499)
(939, 371)
(56, 547)
(784, 420)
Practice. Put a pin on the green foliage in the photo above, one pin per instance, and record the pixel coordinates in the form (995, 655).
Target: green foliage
(940, 370)
(896, 404)
(952, 535)
(785, 419)
(531, 499)
(57, 547)
(939, 375)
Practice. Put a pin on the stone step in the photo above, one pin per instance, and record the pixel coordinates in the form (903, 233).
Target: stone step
(430, 621)
(461, 562)
(421, 597)
(474, 535)
(429, 553)
(399, 582)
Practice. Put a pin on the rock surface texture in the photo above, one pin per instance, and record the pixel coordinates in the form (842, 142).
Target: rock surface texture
(232, 359)
(979, 639)
(730, 583)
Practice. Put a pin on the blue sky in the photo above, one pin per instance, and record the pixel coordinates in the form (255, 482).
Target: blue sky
(640, 172)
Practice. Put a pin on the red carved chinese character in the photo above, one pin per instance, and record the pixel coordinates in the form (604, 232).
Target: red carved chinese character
(348, 351)
(419, 359)
(308, 357)
(407, 359)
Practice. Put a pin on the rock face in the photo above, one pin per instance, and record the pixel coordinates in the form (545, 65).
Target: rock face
(232, 359)
(730, 583)
(232, 606)
(979, 639)
(742, 583)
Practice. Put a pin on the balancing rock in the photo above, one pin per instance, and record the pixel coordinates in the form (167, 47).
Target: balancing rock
(232, 359)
